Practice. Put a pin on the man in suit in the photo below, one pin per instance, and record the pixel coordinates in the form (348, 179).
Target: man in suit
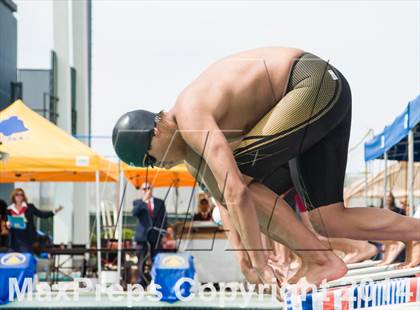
(151, 228)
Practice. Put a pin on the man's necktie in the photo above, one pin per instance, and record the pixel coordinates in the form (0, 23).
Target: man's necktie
(149, 208)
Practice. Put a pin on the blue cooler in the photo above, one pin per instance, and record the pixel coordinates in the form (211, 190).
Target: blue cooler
(167, 269)
(20, 266)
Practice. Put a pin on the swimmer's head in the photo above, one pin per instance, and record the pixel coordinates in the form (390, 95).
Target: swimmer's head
(132, 137)
(142, 138)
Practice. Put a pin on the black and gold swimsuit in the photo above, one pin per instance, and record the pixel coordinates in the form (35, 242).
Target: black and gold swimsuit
(302, 141)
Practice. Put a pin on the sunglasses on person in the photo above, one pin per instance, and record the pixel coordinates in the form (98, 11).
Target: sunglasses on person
(19, 194)
(146, 188)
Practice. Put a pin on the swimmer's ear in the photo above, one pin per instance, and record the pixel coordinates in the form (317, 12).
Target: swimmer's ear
(156, 132)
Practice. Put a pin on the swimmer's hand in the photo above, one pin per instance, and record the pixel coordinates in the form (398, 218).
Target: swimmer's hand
(249, 273)
(271, 277)
(58, 209)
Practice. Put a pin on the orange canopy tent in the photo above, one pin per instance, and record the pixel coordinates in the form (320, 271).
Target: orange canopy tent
(158, 177)
(34, 149)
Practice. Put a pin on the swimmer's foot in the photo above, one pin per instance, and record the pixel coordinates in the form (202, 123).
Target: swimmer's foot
(392, 252)
(351, 257)
(329, 268)
(271, 279)
(361, 253)
(410, 264)
(288, 269)
(412, 258)
(403, 265)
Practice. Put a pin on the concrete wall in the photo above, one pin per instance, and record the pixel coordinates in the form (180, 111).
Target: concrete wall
(71, 45)
(63, 194)
(70, 34)
(8, 61)
(8, 51)
(80, 63)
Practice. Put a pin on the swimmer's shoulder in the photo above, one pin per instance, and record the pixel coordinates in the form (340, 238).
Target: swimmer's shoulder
(264, 52)
(200, 99)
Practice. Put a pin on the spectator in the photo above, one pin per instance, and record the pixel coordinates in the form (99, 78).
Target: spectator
(23, 240)
(169, 242)
(151, 228)
(404, 206)
(390, 202)
(204, 209)
(4, 231)
(412, 251)
(392, 248)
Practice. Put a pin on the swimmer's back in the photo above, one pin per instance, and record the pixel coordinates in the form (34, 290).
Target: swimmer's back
(240, 89)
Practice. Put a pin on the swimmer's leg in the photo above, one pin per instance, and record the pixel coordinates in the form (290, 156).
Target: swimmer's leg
(279, 222)
(355, 251)
(235, 243)
(364, 223)
(318, 174)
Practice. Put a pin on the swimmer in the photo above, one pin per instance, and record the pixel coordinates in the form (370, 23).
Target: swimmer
(351, 251)
(412, 253)
(248, 117)
(392, 248)
(282, 259)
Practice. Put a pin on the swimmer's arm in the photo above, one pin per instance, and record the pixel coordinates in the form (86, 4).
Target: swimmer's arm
(236, 244)
(233, 236)
(206, 177)
(202, 133)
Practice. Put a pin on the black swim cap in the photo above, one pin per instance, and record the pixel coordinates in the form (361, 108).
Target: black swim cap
(132, 136)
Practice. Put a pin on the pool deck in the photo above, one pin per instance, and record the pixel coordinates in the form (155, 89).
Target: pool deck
(91, 301)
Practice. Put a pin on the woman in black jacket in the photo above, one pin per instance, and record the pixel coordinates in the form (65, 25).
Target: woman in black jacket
(23, 240)
(4, 231)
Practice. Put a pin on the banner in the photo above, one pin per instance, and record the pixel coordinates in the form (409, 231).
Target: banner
(372, 294)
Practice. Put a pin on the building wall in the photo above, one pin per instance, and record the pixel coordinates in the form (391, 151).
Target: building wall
(80, 47)
(70, 24)
(61, 94)
(8, 51)
(8, 62)
(69, 63)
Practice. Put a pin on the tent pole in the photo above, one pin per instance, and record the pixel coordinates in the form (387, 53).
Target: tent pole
(120, 222)
(410, 172)
(98, 224)
(176, 202)
(104, 221)
(366, 183)
(385, 179)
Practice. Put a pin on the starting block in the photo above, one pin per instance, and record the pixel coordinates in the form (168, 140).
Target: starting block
(376, 276)
(366, 263)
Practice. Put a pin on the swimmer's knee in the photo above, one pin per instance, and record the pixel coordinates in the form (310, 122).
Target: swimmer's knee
(326, 219)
